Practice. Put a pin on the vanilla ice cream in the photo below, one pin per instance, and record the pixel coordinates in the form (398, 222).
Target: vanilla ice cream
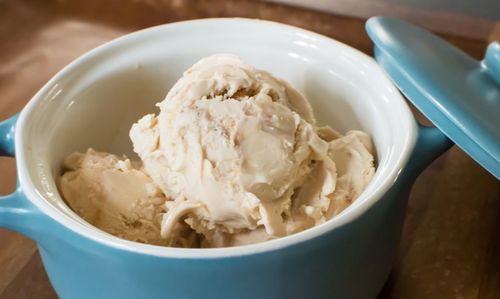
(118, 197)
(233, 157)
(237, 149)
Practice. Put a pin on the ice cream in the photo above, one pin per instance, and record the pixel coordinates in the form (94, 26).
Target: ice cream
(117, 197)
(233, 157)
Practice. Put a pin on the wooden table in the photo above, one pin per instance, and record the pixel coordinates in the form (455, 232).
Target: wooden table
(450, 246)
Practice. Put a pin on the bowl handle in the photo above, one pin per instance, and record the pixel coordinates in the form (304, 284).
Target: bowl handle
(16, 212)
(431, 143)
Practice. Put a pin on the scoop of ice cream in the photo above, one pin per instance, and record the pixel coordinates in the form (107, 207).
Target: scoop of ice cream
(237, 150)
(116, 196)
(352, 155)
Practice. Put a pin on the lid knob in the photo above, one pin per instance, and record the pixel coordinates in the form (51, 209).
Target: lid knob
(491, 61)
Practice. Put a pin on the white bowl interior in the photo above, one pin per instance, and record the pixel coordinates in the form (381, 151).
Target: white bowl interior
(94, 101)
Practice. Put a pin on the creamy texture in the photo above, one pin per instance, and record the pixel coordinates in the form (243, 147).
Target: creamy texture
(237, 150)
(117, 197)
(234, 157)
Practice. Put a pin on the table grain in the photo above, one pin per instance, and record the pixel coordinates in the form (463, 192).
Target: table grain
(450, 246)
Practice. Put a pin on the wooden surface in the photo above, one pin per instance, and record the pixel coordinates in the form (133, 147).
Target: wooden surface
(450, 246)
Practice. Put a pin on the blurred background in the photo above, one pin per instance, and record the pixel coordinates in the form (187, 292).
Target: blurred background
(466, 18)
(450, 246)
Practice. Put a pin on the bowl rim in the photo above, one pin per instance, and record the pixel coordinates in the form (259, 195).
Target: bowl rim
(94, 234)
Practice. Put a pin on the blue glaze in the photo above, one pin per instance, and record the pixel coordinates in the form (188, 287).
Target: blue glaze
(459, 94)
(20, 215)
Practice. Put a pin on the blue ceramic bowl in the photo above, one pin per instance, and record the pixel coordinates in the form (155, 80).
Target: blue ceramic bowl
(94, 101)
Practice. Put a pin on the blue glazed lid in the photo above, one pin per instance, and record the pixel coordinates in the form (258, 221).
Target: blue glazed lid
(459, 94)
